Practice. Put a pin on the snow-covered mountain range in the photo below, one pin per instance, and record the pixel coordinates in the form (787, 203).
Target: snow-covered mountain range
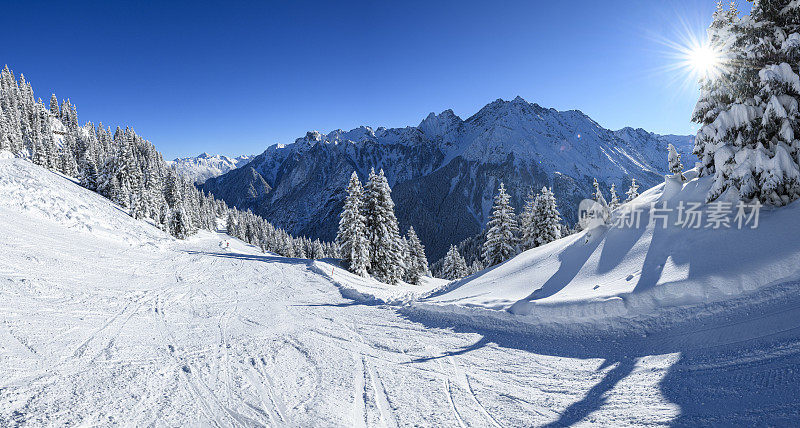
(445, 171)
(204, 166)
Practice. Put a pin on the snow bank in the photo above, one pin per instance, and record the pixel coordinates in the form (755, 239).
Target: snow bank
(54, 198)
(625, 274)
(369, 290)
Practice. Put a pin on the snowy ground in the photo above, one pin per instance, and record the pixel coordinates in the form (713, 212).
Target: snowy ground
(369, 290)
(100, 329)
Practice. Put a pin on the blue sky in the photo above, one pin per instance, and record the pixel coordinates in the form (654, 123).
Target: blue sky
(235, 77)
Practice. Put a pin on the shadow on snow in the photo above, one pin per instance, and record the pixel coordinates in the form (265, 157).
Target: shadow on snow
(739, 368)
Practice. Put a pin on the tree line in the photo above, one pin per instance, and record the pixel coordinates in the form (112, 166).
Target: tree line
(128, 170)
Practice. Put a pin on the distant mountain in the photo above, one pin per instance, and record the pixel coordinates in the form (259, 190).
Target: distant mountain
(445, 171)
(204, 166)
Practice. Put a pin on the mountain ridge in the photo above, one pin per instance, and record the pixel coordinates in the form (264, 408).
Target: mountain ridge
(444, 171)
(204, 166)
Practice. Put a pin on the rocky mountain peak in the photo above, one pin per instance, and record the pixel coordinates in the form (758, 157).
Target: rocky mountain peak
(438, 125)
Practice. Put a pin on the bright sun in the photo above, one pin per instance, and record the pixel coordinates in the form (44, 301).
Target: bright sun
(703, 60)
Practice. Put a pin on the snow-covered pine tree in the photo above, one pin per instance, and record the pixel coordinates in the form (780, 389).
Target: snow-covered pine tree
(614, 203)
(386, 262)
(500, 242)
(546, 218)
(416, 263)
(715, 94)
(674, 159)
(405, 256)
(299, 249)
(178, 224)
(67, 163)
(454, 266)
(755, 152)
(598, 194)
(352, 238)
(54, 110)
(163, 218)
(526, 225)
(230, 224)
(633, 191)
(317, 252)
(475, 267)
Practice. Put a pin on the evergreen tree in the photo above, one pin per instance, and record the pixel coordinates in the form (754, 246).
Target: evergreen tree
(54, 110)
(317, 251)
(500, 242)
(750, 115)
(598, 194)
(352, 238)
(230, 225)
(386, 262)
(526, 224)
(475, 267)
(546, 218)
(633, 191)
(178, 224)
(674, 159)
(714, 96)
(454, 266)
(416, 262)
(163, 218)
(299, 249)
(614, 198)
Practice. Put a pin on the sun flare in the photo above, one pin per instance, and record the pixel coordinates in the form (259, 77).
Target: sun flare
(703, 60)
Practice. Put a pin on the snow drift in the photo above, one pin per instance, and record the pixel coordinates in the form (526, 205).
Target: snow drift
(634, 273)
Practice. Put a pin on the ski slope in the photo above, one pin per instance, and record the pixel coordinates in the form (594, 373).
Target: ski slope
(107, 321)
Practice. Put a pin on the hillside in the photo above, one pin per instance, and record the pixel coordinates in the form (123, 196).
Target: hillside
(444, 172)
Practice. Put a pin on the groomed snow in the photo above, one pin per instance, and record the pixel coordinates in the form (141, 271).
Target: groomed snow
(106, 321)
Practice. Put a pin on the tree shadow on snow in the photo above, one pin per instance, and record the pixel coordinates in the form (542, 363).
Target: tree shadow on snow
(251, 257)
(596, 397)
(346, 304)
(739, 368)
(572, 259)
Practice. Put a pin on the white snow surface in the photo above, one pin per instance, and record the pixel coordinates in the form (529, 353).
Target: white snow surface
(373, 291)
(106, 321)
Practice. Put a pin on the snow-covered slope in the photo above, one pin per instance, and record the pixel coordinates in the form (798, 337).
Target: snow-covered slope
(43, 195)
(610, 273)
(445, 171)
(105, 321)
(204, 166)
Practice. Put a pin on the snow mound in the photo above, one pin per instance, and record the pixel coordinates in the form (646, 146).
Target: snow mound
(42, 194)
(630, 273)
(369, 290)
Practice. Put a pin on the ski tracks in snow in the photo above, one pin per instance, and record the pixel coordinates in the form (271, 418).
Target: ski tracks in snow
(185, 335)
